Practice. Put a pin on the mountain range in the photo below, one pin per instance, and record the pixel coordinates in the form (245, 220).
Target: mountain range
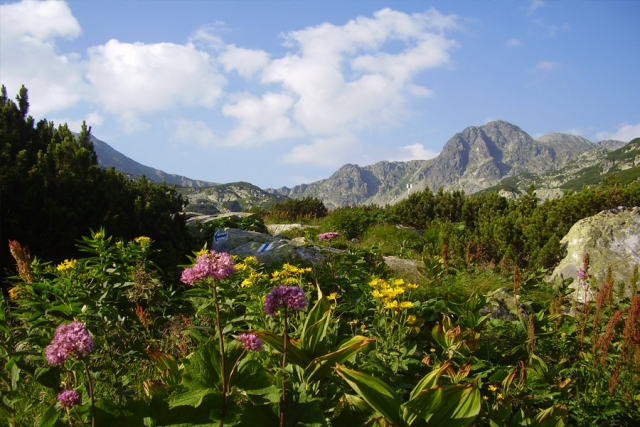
(498, 156)
(473, 160)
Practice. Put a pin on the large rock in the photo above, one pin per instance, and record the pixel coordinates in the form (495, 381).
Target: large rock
(611, 238)
(266, 248)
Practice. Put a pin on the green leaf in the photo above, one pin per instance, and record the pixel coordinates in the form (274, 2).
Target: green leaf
(375, 392)
(429, 381)
(315, 325)
(321, 366)
(192, 397)
(351, 411)
(460, 406)
(422, 404)
(49, 417)
(294, 354)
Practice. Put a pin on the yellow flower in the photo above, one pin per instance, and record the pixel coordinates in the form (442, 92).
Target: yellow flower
(67, 265)
(492, 388)
(392, 305)
(353, 322)
(398, 282)
(406, 304)
(412, 286)
(485, 397)
(142, 240)
(378, 282)
(241, 267)
(202, 252)
(377, 294)
(411, 319)
(433, 350)
(332, 296)
(98, 235)
(251, 260)
(500, 396)
(363, 326)
(14, 293)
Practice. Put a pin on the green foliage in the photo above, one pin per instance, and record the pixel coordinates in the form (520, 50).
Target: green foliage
(352, 222)
(298, 209)
(52, 192)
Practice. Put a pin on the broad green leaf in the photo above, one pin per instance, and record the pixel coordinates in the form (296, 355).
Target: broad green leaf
(351, 411)
(191, 397)
(294, 354)
(49, 417)
(430, 380)
(321, 366)
(315, 325)
(460, 406)
(422, 405)
(554, 416)
(375, 392)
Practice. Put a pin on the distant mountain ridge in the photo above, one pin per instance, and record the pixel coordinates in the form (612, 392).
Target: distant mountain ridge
(108, 156)
(477, 158)
(497, 156)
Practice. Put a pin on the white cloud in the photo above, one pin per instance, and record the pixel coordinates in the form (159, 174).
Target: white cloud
(625, 133)
(535, 4)
(343, 79)
(190, 131)
(415, 152)
(513, 43)
(29, 55)
(131, 123)
(260, 119)
(150, 77)
(547, 66)
(92, 119)
(329, 152)
(246, 62)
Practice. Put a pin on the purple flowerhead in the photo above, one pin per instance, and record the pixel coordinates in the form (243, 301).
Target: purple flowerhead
(217, 265)
(250, 342)
(71, 339)
(328, 235)
(69, 399)
(582, 274)
(291, 297)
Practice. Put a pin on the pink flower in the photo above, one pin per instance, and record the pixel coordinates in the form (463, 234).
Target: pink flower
(328, 235)
(292, 297)
(71, 339)
(69, 399)
(250, 342)
(217, 265)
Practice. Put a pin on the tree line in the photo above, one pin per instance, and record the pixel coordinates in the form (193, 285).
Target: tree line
(53, 192)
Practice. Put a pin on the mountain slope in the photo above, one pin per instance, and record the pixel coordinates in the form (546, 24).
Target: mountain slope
(108, 156)
(477, 158)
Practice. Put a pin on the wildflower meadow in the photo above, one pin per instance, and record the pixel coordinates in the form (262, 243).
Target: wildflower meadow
(101, 340)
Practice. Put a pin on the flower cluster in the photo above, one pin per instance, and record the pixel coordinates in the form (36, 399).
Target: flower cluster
(291, 297)
(67, 265)
(330, 235)
(70, 339)
(388, 291)
(289, 275)
(250, 342)
(69, 399)
(217, 265)
(143, 241)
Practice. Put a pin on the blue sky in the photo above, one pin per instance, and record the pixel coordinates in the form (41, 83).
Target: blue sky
(279, 93)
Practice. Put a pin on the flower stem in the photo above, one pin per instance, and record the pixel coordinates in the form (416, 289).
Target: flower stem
(222, 361)
(235, 365)
(284, 365)
(93, 402)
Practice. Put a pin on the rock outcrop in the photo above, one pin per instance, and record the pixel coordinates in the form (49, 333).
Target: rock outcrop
(611, 238)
